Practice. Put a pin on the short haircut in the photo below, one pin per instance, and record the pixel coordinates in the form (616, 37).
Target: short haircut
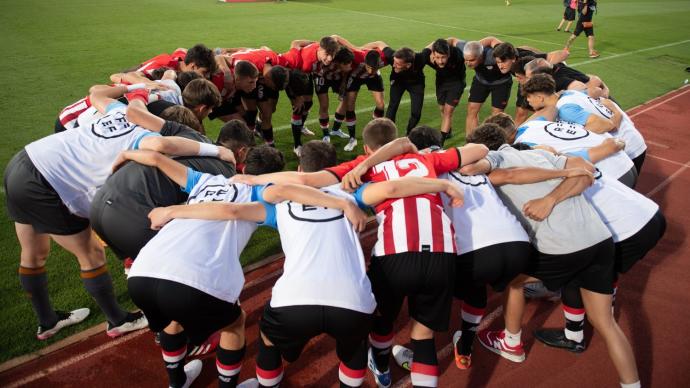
(201, 56)
(234, 135)
(504, 121)
(184, 78)
(344, 56)
(298, 82)
(539, 83)
(473, 49)
(201, 92)
(518, 67)
(379, 132)
(182, 115)
(521, 146)
(317, 155)
(157, 74)
(425, 136)
(263, 159)
(279, 75)
(505, 51)
(245, 69)
(490, 135)
(404, 53)
(373, 59)
(329, 44)
(539, 66)
(441, 46)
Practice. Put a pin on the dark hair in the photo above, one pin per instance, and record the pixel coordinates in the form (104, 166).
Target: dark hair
(244, 69)
(441, 46)
(157, 74)
(201, 56)
(539, 83)
(298, 82)
(542, 70)
(504, 121)
(184, 78)
(201, 92)
(425, 136)
(263, 159)
(329, 44)
(373, 59)
(504, 51)
(379, 132)
(317, 155)
(235, 134)
(521, 146)
(519, 65)
(344, 56)
(279, 75)
(404, 53)
(182, 115)
(491, 135)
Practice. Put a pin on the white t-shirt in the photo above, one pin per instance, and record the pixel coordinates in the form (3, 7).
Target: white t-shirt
(575, 107)
(201, 254)
(77, 162)
(571, 137)
(324, 264)
(483, 220)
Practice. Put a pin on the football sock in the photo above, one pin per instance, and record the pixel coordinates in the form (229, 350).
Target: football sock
(471, 316)
(174, 350)
(34, 282)
(229, 364)
(99, 285)
(424, 369)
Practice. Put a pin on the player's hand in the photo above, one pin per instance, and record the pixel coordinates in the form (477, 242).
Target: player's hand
(159, 217)
(120, 160)
(226, 155)
(456, 196)
(297, 105)
(244, 178)
(356, 216)
(539, 209)
(614, 143)
(353, 179)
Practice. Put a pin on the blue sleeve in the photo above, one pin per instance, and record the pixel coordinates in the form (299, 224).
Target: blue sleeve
(114, 105)
(583, 153)
(573, 113)
(137, 141)
(359, 196)
(258, 196)
(193, 177)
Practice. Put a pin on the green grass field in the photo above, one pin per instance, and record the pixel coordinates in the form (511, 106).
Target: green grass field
(53, 52)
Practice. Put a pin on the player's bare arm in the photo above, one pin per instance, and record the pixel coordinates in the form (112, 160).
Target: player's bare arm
(410, 186)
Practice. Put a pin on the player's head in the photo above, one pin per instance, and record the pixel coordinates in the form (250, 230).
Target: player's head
(538, 66)
(277, 77)
(377, 133)
(185, 77)
(201, 96)
(505, 55)
(505, 122)
(263, 159)
(373, 61)
(157, 74)
(328, 46)
(440, 52)
(182, 115)
(403, 59)
(518, 68)
(343, 59)
(424, 137)
(538, 89)
(473, 52)
(236, 136)
(201, 60)
(317, 155)
(491, 135)
(246, 75)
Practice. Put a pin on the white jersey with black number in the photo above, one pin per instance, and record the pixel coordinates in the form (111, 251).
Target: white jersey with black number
(623, 210)
(634, 142)
(77, 162)
(324, 264)
(199, 253)
(571, 138)
(483, 220)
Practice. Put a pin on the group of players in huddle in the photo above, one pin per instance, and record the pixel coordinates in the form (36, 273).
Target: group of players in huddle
(546, 197)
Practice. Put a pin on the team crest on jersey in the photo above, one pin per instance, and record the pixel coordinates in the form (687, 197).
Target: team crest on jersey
(214, 193)
(309, 213)
(112, 126)
(606, 112)
(566, 131)
(470, 180)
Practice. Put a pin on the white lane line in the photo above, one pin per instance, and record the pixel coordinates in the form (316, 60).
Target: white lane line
(668, 180)
(657, 144)
(666, 160)
(659, 104)
(601, 59)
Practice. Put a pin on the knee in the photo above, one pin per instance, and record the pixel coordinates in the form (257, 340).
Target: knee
(34, 257)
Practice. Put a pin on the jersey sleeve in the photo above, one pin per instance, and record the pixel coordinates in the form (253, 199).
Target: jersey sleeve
(343, 168)
(426, 54)
(584, 154)
(258, 195)
(495, 159)
(114, 105)
(359, 196)
(573, 113)
(445, 161)
(144, 134)
(193, 178)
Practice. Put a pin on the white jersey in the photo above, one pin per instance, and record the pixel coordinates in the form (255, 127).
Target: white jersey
(201, 254)
(570, 138)
(77, 162)
(324, 264)
(634, 142)
(623, 210)
(483, 220)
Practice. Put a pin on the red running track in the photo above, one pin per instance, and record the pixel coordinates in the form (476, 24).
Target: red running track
(652, 309)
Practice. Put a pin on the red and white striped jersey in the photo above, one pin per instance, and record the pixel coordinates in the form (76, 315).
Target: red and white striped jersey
(412, 224)
(68, 116)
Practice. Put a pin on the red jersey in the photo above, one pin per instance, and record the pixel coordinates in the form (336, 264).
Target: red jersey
(164, 60)
(304, 59)
(68, 116)
(412, 224)
(256, 56)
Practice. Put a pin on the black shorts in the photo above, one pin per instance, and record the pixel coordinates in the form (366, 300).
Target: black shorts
(322, 85)
(590, 268)
(500, 94)
(629, 178)
(374, 84)
(32, 200)
(290, 328)
(496, 265)
(449, 93)
(426, 279)
(521, 100)
(58, 126)
(639, 161)
(569, 14)
(295, 90)
(579, 26)
(228, 107)
(164, 301)
(634, 248)
(264, 93)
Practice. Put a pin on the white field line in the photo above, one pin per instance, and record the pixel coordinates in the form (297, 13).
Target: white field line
(659, 104)
(668, 180)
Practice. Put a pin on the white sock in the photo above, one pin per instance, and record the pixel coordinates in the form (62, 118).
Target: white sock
(511, 339)
(577, 336)
(636, 384)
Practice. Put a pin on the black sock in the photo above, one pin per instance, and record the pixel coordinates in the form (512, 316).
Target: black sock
(229, 364)
(269, 365)
(34, 282)
(351, 121)
(381, 341)
(338, 121)
(351, 372)
(378, 113)
(268, 134)
(99, 285)
(425, 356)
(250, 118)
(305, 111)
(471, 316)
(323, 123)
(296, 126)
(445, 136)
(174, 349)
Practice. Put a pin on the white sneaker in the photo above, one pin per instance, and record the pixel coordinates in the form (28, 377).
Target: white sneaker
(134, 321)
(340, 133)
(192, 369)
(64, 319)
(326, 139)
(350, 144)
(249, 383)
(306, 131)
(403, 356)
(298, 151)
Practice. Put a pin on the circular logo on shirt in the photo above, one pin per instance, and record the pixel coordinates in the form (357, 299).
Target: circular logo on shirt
(470, 180)
(606, 112)
(566, 131)
(112, 125)
(309, 213)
